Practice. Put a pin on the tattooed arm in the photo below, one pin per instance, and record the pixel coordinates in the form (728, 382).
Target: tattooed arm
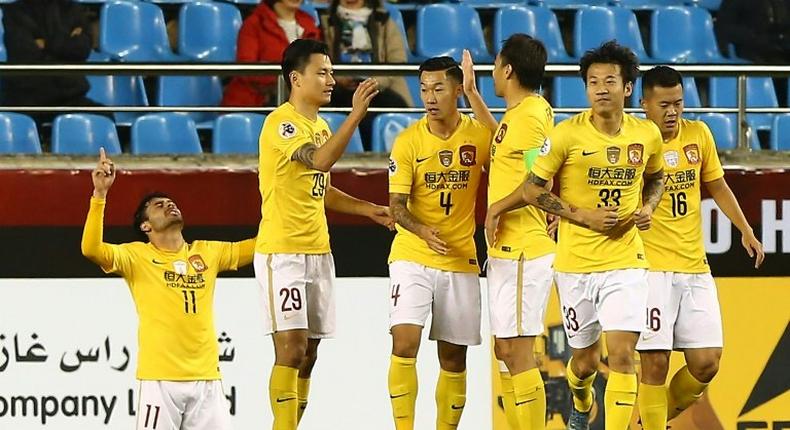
(651, 197)
(404, 218)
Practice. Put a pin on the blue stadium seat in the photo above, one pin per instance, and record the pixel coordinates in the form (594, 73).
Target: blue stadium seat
(486, 89)
(207, 31)
(244, 2)
(3, 53)
(691, 97)
(84, 134)
(387, 126)
(559, 117)
(460, 29)
(646, 4)
(18, 134)
(165, 133)
(569, 92)
(724, 128)
(135, 31)
(685, 35)
(713, 5)
(311, 9)
(490, 4)
(171, 1)
(760, 92)
(568, 4)
(119, 90)
(597, 24)
(397, 18)
(780, 135)
(191, 91)
(538, 22)
(237, 133)
(334, 119)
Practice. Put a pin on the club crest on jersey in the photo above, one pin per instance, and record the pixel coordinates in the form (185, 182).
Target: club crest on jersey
(546, 148)
(468, 155)
(287, 130)
(180, 267)
(672, 158)
(446, 157)
(393, 167)
(635, 151)
(197, 263)
(500, 134)
(613, 154)
(692, 153)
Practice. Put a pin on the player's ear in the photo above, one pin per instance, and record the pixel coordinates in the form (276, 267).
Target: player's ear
(294, 77)
(508, 71)
(145, 227)
(629, 88)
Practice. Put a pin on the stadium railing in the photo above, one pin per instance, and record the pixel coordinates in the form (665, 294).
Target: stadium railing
(739, 71)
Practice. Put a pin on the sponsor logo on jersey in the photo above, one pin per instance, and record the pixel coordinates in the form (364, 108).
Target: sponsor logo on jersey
(180, 267)
(635, 151)
(500, 134)
(546, 148)
(393, 167)
(468, 155)
(446, 158)
(197, 263)
(613, 154)
(692, 153)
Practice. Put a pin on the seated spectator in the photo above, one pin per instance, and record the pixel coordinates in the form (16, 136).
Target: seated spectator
(46, 31)
(263, 37)
(361, 31)
(759, 29)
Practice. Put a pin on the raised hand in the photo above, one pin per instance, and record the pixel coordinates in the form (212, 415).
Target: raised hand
(103, 175)
(364, 93)
(467, 66)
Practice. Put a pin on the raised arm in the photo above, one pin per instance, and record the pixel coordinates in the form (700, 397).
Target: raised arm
(339, 201)
(407, 220)
(246, 251)
(475, 99)
(724, 197)
(93, 246)
(324, 157)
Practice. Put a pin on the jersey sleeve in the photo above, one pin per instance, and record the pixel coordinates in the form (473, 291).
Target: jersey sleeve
(286, 135)
(401, 165)
(551, 156)
(711, 166)
(227, 255)
(122, 258)
(655, 162)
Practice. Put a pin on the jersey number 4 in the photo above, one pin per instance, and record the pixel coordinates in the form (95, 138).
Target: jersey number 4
(446, 203)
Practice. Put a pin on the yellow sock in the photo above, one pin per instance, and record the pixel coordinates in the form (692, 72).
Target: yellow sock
(509, 400)
(283, 397)
(530, 399)
(619, 400)
(653, 406)
(303, 391)
(581, 389)
(403, 391)
(450, 399)
(684, 390)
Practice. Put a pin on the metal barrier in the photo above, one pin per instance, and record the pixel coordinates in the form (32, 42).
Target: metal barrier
(740, 71)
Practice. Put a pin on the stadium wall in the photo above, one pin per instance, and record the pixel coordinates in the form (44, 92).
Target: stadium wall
(43, 212)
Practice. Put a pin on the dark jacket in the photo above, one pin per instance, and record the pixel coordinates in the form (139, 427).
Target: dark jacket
(759, 29)
(262, 40)
(54, 22)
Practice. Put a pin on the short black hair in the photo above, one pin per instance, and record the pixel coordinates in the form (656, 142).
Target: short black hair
(661, 76)
(527, 56)
(611, 53)
(297, 55)
(451, 67)
(139, 214)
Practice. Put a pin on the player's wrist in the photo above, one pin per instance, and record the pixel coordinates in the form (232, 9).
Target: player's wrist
(100, 195)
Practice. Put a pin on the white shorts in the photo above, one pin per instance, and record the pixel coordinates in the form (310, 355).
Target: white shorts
(297, 292)
(182, 405)
(453, 297)
(518, 291)
(601, 301)
(682, 312)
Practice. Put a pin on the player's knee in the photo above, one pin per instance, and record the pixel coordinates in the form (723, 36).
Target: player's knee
(453, 359)
(705, 370)
(655, 366)
(291, 354)
(621, 358)
(405, 347)
(512, 355)
(585, 362)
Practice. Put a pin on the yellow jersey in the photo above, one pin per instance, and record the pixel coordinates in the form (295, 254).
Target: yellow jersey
(174, 296)
(596, 170)
(674, 241)
(523, 128)
(293, 219)
(441, 178)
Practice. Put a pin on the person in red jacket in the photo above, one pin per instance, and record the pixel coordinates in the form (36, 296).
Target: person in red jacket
(263, 37)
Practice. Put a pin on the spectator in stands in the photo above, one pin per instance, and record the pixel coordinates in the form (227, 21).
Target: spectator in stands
(361, 31)
(263, 37)
(759, 29)
(46, 31)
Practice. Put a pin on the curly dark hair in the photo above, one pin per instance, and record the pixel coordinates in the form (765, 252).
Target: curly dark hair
(139, 214)
(611, 53)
